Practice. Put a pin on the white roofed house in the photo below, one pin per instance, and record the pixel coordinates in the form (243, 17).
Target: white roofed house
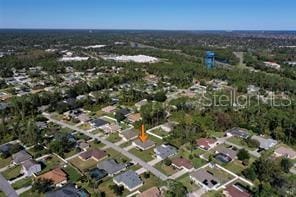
(129, 179)
(30, 167)
(265, 143)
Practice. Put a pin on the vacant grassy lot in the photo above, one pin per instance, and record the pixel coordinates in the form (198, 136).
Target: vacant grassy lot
(146, 155)
(160, 132)
(168, 170)
(12, 172)
(83, 165)
(51, 162)
(96, 144)
(73, 174)
(117, 156)
(113, 137)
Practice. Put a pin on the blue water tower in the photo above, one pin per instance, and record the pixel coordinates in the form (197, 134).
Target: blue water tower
(210, 59)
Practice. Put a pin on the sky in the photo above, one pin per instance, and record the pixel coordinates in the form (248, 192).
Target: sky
(149, 14)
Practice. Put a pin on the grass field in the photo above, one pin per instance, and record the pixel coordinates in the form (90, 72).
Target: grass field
(22, 183)
(113, 137)
(146, 155)
(150, 182)
(240, 142)
(83, 165)
(12, 172)
(73, 174)
(51, 162)
(168, 170)
(116, 155)
(185, 180)
(5, 162)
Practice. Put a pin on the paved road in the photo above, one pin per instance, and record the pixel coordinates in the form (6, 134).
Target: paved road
(6, 187)
(113, 146)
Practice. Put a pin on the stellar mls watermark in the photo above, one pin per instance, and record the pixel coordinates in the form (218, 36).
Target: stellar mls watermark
(233, 99)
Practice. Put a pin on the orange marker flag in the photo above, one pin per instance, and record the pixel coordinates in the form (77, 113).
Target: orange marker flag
(143, 136)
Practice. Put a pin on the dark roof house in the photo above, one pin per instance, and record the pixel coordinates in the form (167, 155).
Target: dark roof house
(111, 166)
(21, 156)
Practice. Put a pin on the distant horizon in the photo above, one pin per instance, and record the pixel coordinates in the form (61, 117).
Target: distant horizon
(208, 30)
(171, 15)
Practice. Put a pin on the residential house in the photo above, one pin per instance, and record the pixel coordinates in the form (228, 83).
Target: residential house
(285, 152)
(110, 128)
(134, 117)
(57, 176)
(205, 178)
(83, 145)
(30, 167)
(69, 190)
(182, 163)
(235, 190)
(151, 192)
(98, 123)
(109, 109)
(206, 143)
(238, 132)
(141, 103)
(164, 151)
(143, 145)
(95, 154)
(97, 174)
(129, 179)
(130, 134)
(124, 111)
(111, 166)
(265, 143)
(21, 156)
(225, 154)
(167, 127)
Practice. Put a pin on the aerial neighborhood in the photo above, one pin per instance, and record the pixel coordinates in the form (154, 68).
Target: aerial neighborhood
(88, 114)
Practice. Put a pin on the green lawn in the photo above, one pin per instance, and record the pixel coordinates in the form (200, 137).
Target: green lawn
(73, 174)
(117, 156)
(185, 180)
(30, 193)
(5, 162)
(168, 170)
(22, 183)
(94, 144)
(51, 162)
(240, 142)
(221, 175)
(113, 137)
(125, 144)
(2, 194)
(37, 153)
(69, 154)
(146, 155)
(198, 162)
(150, 182)
(83, 165)
(160, 132)
(12, 172)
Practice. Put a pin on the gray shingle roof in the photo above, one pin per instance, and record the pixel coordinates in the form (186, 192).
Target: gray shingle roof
(111, 166)
(21, 156)
(165, 151)
(129, 179)
(264, 143)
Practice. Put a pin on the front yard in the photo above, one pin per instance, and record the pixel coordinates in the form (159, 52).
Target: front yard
(83, 165)
(22, 183)
(12, 173)
(188, 183)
